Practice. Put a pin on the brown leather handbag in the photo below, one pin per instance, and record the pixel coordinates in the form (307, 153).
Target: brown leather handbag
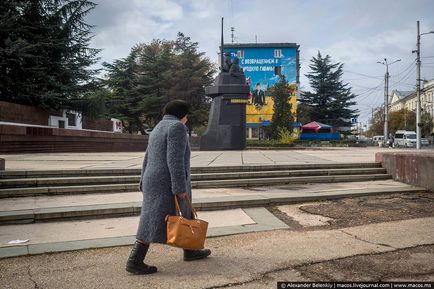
(185, 233)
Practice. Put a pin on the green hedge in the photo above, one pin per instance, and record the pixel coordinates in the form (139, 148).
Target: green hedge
(304, 143)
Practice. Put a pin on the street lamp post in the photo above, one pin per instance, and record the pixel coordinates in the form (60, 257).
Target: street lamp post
(386, 99)
(418, 105)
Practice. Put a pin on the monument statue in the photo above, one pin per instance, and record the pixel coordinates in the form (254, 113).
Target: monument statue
(227, 62)
(227, 119)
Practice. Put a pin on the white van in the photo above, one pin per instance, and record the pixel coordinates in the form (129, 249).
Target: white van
(404, 138)
(377, 140)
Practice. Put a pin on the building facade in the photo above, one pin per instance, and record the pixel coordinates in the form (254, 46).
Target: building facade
(407, 99)
(263, 64)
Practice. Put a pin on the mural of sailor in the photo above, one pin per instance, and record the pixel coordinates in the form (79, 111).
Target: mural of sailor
(258, 97)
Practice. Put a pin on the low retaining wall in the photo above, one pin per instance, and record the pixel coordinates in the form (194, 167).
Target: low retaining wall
(29, 139)
(412, 168)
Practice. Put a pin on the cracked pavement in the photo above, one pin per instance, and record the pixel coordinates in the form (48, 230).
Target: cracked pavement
(381, 238)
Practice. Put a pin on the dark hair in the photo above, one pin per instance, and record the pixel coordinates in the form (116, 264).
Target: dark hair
(177, 107)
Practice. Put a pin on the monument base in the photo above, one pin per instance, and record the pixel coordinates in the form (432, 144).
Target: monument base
(226, 128)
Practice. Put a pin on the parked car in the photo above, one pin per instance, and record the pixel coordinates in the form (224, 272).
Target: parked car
(424, 142)
(404, 138)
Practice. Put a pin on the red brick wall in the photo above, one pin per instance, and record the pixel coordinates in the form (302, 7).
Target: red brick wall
(11, 112)
(97, 124)
(25, 139)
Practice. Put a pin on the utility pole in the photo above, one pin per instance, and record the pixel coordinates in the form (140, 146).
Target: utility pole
(418, 123)
(232, 34)
(418, 106)
(386, 99)
(386, 105)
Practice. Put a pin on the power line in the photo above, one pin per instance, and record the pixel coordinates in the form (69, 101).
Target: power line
(406, 69)
(405, 77)
(365, 75)
(370, 90)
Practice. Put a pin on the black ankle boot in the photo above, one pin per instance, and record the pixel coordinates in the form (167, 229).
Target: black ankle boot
(191, 255)
(135, 263)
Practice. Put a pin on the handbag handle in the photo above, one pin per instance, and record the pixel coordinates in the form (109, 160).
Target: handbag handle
(178, 210)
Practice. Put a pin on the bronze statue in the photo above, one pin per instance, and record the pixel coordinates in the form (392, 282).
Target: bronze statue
(235, 69)
(227, 62)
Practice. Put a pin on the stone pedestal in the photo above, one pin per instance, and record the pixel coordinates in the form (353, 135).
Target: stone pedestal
(227, 120)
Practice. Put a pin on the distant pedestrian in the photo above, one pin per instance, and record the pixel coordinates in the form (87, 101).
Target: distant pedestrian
(165, 173)
(391, 141)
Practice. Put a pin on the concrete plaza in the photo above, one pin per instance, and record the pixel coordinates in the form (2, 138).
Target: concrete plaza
(372, 230)
(57, 161)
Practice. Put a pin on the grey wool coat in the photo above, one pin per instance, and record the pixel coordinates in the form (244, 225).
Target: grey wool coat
(165, 172)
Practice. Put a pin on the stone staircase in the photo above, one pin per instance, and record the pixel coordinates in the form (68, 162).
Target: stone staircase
(61, 182)
(41, 196)
(100, 208)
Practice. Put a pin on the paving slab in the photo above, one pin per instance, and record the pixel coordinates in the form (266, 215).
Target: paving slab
(77, 235)
(397, 234)
(104, 228)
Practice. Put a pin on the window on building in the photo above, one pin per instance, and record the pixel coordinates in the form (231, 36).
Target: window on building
(278, 70)
(277, 53)
(240, 53)
(71, 119)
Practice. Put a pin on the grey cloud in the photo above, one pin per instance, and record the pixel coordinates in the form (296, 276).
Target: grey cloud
(357, 33)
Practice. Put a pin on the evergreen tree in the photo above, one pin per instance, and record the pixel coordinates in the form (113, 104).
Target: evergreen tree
(192, 73)
(154, 74)
(304, 113)
(154, 79)
(121, 81)
(139, 83)
(45, 54)
(282, 116)
(331, 99)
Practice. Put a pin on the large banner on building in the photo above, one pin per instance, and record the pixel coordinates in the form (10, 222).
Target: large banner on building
(263, 67)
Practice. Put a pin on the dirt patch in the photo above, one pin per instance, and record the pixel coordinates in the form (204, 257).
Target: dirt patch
(407, 264)
(349, 212)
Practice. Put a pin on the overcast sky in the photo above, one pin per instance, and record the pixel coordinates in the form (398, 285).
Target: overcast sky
(357, 33)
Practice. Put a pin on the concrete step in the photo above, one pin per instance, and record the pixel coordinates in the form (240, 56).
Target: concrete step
(42, 209)
(240, 182)
(288, 180)
(128, 179)
(194, 170)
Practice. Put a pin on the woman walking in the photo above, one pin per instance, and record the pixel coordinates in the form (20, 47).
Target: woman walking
(165, 173)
